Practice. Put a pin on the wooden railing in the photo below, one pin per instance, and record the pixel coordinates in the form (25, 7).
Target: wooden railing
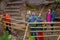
(47, 23)
(27, 28)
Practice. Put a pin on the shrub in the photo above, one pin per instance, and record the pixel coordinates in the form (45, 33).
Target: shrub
(5, 36)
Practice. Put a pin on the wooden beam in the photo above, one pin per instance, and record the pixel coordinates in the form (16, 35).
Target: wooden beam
(44, 22)
(58, 38)
(25, 32)
(47, 27)
(46, 36)
(46, 31)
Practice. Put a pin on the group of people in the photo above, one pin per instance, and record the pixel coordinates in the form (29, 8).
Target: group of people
(49, 16)
(6, 18)
(33, 18)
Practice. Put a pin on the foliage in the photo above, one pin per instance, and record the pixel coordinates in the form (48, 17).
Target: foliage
(58, 3)
(31, 38)
(31, 7)
(5, 36)
(0, 0)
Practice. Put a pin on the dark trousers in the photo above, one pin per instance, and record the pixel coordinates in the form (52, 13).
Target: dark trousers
(8, 28)
(52, 26)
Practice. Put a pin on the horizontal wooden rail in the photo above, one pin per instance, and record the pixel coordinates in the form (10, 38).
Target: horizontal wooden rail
(15, 27)
(46, 31)
(11, 23)
(47, 27)
(35, 22)
(18, 20)
(44, 22)
(39, 22)
(46, 36)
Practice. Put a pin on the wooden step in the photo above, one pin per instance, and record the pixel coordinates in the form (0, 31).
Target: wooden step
(16, 17)
(16, 2)
(13, 7)
(57, 17)
(14, 14)
(48, 2)
(9, 5)
(11, 10)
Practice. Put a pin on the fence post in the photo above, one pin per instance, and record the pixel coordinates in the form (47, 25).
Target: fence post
(26, 31)
(58, 37)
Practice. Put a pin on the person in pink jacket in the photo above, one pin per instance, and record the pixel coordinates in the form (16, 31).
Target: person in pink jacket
(48, 16)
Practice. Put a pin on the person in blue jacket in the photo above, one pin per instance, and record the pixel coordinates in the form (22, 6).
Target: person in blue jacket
(52, 15)
(52, 18)
(32, 18)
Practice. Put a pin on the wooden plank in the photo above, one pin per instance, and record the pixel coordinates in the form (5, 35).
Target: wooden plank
(46, 36)
(46, 31)
(25, 32)
(47, 27)
(58, 38)
(44, 22)
(17, 2)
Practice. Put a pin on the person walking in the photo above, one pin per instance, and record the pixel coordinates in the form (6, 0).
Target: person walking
(8, 22)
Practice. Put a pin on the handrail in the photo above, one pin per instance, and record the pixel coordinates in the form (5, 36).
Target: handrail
(46, 31)
(58, 38)
(41, 10)
(43, 22)
(36, 27)
(45, 36)
(26, 31)
(18, 20)
(46, 27)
